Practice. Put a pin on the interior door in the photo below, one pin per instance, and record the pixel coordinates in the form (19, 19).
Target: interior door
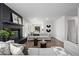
(72, 31)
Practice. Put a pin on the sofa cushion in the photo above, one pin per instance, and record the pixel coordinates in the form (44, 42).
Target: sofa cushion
(10, 41)
(60, 51)
(33, 51)
(54, 51)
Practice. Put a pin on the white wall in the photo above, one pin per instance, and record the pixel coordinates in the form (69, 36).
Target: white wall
(25, 28)
(78, 12)
(41, 21)
(59, 28)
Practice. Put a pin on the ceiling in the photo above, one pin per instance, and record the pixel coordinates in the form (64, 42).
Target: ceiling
(44, 9)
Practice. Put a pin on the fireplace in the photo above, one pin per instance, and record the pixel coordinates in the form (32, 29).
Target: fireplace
(17, 29)
(16, 36)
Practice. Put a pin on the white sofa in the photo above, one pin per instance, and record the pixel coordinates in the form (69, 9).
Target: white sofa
(57, 51)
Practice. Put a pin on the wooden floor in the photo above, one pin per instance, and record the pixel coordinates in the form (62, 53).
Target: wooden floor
(51, 43)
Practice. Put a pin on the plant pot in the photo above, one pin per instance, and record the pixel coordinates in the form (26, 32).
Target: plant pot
(3, 40)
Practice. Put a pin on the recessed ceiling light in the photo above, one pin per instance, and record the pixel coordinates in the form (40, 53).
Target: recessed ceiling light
(47, 18)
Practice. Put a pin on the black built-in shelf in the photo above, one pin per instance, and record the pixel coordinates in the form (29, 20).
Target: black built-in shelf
(11, 23)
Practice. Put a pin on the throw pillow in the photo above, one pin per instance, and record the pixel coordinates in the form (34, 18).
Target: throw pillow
(4, 48)
(10, 41)
(25, 51)
(16, 49)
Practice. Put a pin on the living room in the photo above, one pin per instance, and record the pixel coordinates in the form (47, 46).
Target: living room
(39, 29)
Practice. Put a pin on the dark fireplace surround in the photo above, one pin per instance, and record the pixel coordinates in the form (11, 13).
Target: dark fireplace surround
(17, 29)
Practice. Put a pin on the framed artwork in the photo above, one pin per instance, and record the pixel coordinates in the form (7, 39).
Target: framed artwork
(14, 16)
(19, 20)
(48, 26)
(37, 28)
(48, 30)
(16, 19)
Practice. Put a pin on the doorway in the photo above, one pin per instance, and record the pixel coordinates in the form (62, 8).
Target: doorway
(72, 31)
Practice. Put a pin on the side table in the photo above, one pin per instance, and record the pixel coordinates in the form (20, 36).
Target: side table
(43, 44)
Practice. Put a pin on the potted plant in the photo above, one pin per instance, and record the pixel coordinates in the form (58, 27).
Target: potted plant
(6, 35)
(11, 33)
